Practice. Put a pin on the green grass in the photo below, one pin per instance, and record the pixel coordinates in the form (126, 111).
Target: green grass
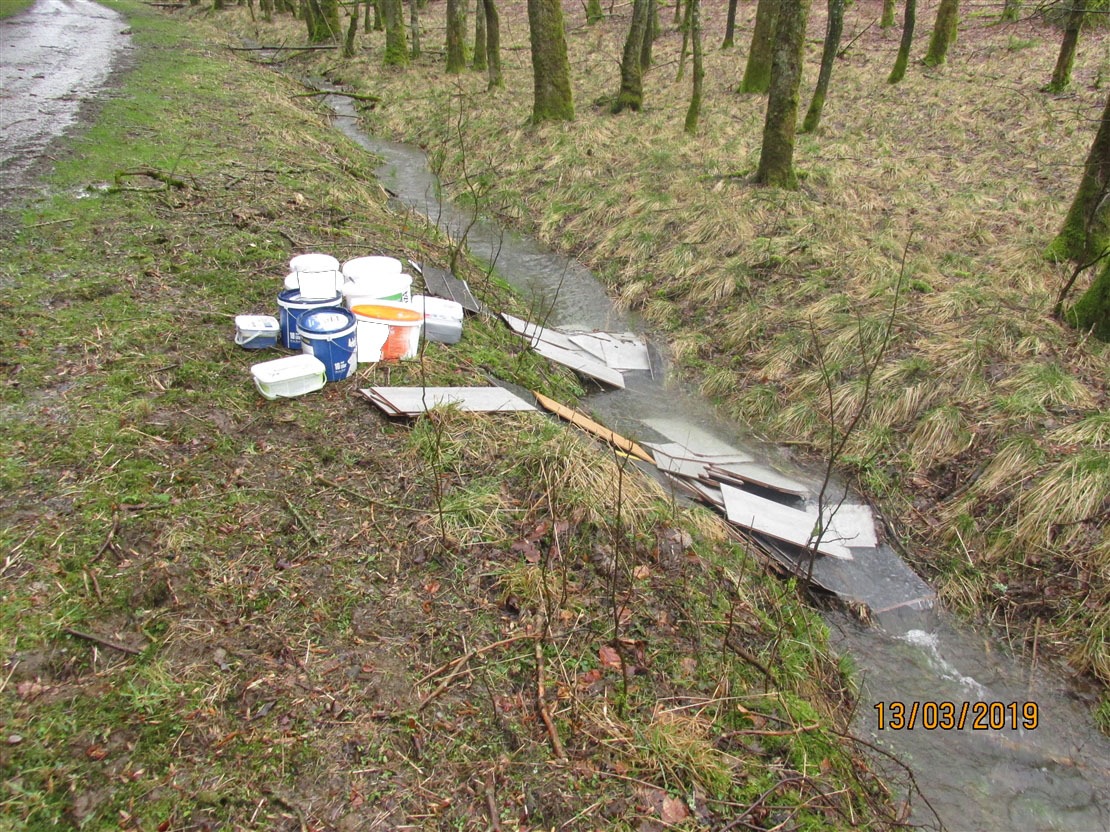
(223, 611)
(13, 7)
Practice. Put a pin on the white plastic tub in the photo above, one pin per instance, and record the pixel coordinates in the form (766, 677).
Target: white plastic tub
(318, 275)
(256, 332)
(285, 378)
(443, 319)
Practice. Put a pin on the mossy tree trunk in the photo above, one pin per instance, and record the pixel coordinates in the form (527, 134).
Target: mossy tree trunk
(631, 95)
(776, 156)
(730, 26)
(414, 27)
(650, 35)
(478, 61)
(493, 45)
(685, 40)
(1061, 74)
(379, 20)
(1086, 230)
(886, 19)
(396, 50)
(352, 31)
(757, 71)
(1010, 10)
(593, 11)
(1091, 312)
(552, 99)
(834, 28)
(456, 36)
(902, 61)
(694, 110)
(944, 32)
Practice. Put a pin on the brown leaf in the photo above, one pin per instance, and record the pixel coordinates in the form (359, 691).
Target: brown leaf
(674, 810)
(609, 656)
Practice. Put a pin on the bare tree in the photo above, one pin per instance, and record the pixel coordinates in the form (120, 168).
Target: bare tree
(396, 51)
(1086, 230)
(730, 26)
(834, 28)
(456, 35)
(694, 111)
(944, 32)
(552, 99)
(776, 156)
(757, 71)
(903, 59)
(1061, 74)
(631, 95)
(493, 45)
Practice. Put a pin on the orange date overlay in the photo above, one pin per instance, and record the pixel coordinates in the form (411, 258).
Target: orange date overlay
(957, 716)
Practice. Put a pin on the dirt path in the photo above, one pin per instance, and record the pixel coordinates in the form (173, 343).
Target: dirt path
(53, 58)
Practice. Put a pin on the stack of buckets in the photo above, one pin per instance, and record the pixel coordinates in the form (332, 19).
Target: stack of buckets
(360, 312)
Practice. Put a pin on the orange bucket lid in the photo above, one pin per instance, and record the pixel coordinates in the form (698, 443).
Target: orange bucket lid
(382, 312)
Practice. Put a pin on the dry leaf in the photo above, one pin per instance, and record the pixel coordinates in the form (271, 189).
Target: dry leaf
(674, 810)
(609, 656)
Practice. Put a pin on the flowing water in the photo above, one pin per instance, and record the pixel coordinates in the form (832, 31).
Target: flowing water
(1043, 765)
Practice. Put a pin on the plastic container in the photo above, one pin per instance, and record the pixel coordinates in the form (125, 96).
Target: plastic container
(329, 334)
(362, 268)
(284, 378)
(388, 331)
(256, 332)
(318, 275)
(292, 304)
(443, 319)
(369, 290)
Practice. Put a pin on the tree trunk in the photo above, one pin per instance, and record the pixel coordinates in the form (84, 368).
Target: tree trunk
(1086, 230)
(903, 59)
(352, 30)
(1091, 312)
(776, 156)
(552, 99)
(267, 7)
(685, 41)
(1061, 75)
(1010, 10)
(757, 71)
(593, 11)
(631, 95)
(650, 34)
(478, 62)
(396, 50)
(456, 35)
(944, 32)
(493, 46)
(379, 21)
(833, 30)
(730, 26)
(694, 110)
(886, 20)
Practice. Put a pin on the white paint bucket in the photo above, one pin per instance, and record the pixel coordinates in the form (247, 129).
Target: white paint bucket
(387, 331)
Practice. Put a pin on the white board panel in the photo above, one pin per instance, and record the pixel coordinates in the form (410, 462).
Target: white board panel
(789, 525)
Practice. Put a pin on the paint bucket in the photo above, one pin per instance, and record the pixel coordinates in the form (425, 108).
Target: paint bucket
(370, 279)
(329, 335)
(292, 304)
(387, 331)
(318, 275)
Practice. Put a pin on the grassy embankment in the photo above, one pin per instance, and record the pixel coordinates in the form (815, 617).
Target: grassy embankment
(11, 7)
(986, 435)
(221, 611)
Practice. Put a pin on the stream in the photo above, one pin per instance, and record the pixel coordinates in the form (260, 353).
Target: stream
(1054, 776)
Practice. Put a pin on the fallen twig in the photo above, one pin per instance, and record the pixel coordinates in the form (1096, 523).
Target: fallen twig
(103, 642)
(107, 544)
(303, 523)
(541, 706)
(491, 805)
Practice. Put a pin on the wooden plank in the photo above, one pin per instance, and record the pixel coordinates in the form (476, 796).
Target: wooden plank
(412, 401)
(598, 430)
(789, 525)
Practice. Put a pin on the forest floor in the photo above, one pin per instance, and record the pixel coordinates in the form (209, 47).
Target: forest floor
(984, 434)
(220, 612)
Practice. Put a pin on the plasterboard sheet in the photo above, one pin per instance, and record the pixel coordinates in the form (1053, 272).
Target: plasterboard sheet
(678, 451)
(851, 525)
(534, 332)
(548, 343)
(776, 520)
(622, 351)
(443, 284)
(697, 441)
(753, 472)
(677, 465)
(410, 401)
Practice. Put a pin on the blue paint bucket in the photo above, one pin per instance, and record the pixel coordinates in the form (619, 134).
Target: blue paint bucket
(329, 334)
(293, 305)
